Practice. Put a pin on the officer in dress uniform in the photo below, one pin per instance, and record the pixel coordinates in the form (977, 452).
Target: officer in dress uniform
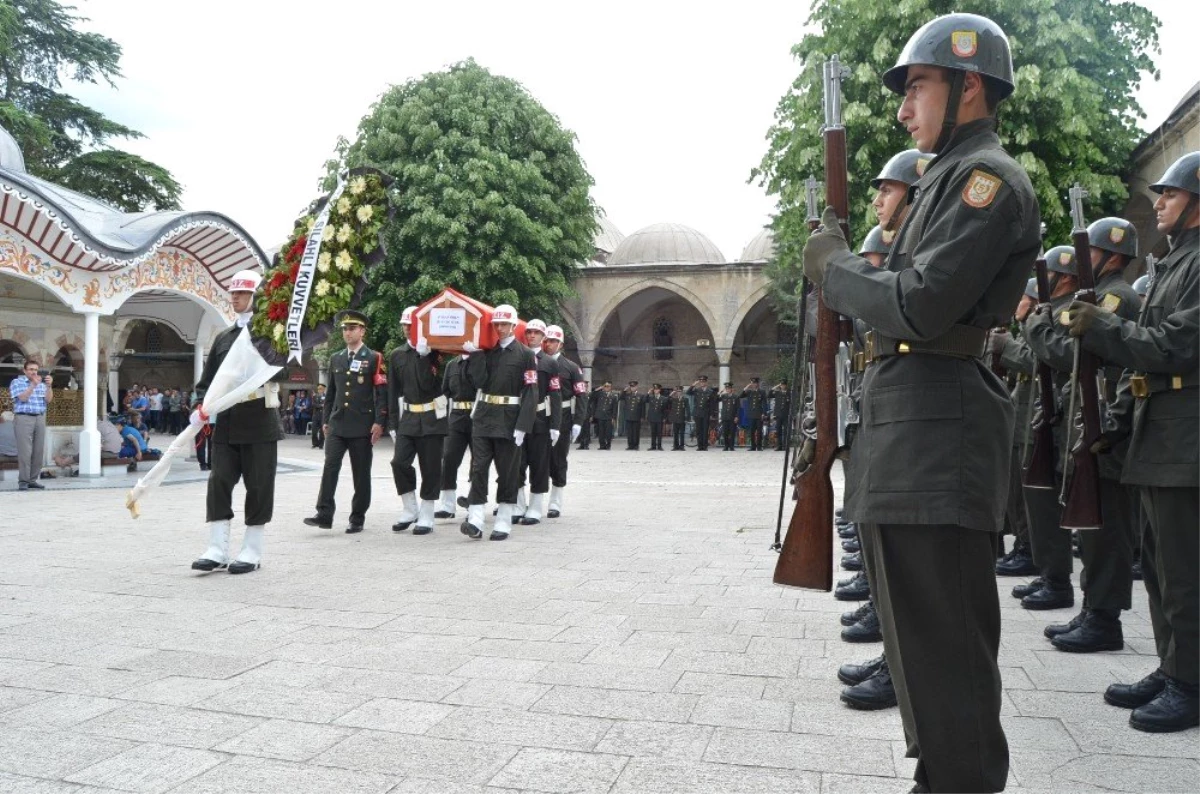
(606, 401)
(703, 404)
(547, 426)
(355, 416)
(318, 408)
(957, 268)
(635, 411)
(506, 378)
(586, 405)
(727, 416)
(781, 411)
(1158, 408)
(656, 411)
(574, 415)
(417, 411)
(756, 406)
(461, 397)
(1107, 553)
(245, 446)
(677, 414)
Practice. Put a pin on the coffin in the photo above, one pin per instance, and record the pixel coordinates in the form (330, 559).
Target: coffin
(449, 319)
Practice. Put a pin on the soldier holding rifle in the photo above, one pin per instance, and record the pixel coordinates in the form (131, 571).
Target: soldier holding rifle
(957, 268)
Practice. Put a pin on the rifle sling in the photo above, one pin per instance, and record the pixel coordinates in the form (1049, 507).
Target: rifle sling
(961, 341)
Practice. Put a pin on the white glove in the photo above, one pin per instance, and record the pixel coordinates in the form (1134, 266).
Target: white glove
(575, 431)
(518, 435)
(392, 433)
(195, 420)
(554, 434)
(422, 347)
(469, 347)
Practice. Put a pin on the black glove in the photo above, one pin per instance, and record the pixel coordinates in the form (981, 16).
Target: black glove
(1080, 317)
(821, 245)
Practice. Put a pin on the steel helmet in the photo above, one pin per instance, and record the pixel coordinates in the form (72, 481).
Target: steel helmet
(1031, 289)
(906, 168)
(1061, 259)
(504, 313)
(535, 325)
(966, 42)
(245, 281)
(1114, 234)
(1141, 285)
(554, 333)
(407, 315)
(1184, 174)
(877, 241)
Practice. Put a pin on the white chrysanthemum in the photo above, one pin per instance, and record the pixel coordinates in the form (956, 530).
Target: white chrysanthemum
(365, 212)
(323, 289)
(278, 330)
(343, 205)
(343, 233)
(323, 262)
(344, 261)
(308, 224)
(357, 185)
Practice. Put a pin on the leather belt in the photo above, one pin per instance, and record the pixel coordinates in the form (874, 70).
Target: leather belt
(1024, 377)
(568, 403)
(544, 407)
(1142, 385)
(500, 399)
(462, 405)
(420, 408)
(961, 341)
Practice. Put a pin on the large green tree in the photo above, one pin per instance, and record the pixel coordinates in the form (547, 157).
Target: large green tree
(491, 196)
(62, 139)
(1073, 117)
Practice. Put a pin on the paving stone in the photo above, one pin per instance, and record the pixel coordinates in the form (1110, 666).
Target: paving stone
(563, 771)
(53, 754)
(14, 698)
(1038, 734)
(740, 686)
(593, 675)
(1123, 773)
(59, 711)
(688, 641)
(147, 768)
(732, 663)
(399, 716)
(798, 751)
(1114, 736)
(403, 686)
(542, 651)
(498, 693)
(653, 776)
(284, 739)
(15, 670)
(174, 725)
(617, 704)
(833, 783)
(513, 726)
(177, 690)
(765, 715)
(673, 741)
(305, 705)
(421, 756)
(97, 681)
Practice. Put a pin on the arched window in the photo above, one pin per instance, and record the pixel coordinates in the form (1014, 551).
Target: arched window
(153, 340)
(661, 331)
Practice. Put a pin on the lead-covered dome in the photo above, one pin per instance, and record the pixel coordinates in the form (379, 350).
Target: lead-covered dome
(666, 244)
(761, 248)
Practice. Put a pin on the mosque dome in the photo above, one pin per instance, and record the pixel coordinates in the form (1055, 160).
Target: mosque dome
(761, 248)
(608, 236)
(666, 243)
(10, 154)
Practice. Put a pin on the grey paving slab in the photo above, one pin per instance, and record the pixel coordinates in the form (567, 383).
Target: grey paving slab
(560, 771)
(147, 768)
(287, 703)
(53, 754)
(617, 704)
(285, 739)
(173, 725)
(654, 776)
(742, 712)
(398, 716)
(592, 675)
(639, 738)
(513, 726)
(798, 751)
(1123, 773)
(59, 711)
(17, 784)
(420, 756)
(721, 684)
(268, 776)
(497, 693)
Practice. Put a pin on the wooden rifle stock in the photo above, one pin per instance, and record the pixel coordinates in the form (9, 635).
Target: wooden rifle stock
(806, 559)
(1039, 472)
(1081, 509)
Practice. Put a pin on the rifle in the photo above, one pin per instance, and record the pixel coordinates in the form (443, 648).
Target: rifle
(806, 559)
(1081, 507)
(1039, 471)
(1151, 271)
(798, 385)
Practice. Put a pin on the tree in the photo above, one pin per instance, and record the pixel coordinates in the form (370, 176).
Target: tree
(491, 196)
(1073, 117)
(63, 140)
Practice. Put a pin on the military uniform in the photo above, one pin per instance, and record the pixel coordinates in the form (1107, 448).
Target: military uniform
(727, 417)
(585, 406)
(605, 411)
(703, 404)
(356, 401)
(781, 412)
(538, 443)
(318, 432)
(656, 411)
(956, 269)
(677, 414)
(635, 411)
(417, 411)
(1019, 361)
(574, 414)
(756, 406)
(460, 396)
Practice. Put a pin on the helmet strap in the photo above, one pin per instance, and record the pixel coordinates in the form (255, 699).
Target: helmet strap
(950, 121)
(1184, 214)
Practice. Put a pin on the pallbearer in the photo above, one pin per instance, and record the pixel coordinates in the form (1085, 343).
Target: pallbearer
(546, 424)
(461, 397)
(574, 414)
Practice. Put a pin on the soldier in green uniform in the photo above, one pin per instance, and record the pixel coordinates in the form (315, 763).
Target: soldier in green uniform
(605, 411)
(677, 415)
(318, 408)
(727, 415)
(781, 413)
(756, 406)
(957, 268)
(574, 415)
(656, 412)
(704, 403)
(461, 398)
(245, 444)
(1107, 553)
(355, 416)
(587, 417)
(506, 378)
(1158, 408)
(635, 411)
(417, 411)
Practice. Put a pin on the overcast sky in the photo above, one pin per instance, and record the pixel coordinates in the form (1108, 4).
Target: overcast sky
(243, 101)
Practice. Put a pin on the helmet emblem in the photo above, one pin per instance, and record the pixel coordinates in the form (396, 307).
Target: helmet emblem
(922, 164)
(963, 43)
(1064, 259)
(1116, 234)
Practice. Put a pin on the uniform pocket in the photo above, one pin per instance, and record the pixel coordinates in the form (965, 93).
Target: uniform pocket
(916, 435)
(1172, 434)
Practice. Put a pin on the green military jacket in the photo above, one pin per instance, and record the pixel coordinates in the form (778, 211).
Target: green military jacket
(605, 404)
(756, 402)
(248, 422)
(357, 396)
(727, 410)
(635, 405)
(413, 379)
(505, 372)
(704, 401)
(935, 436)
(677, 408)
(656, 408)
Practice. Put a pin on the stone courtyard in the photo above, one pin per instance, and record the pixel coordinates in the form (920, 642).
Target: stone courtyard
(634, 645)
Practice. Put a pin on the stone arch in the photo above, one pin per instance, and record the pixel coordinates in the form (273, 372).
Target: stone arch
(603, 316)
(749, 303)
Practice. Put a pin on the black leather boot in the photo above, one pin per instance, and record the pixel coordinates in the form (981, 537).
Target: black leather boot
(877, 692)
(1054, 629)
(1100, 630)
(851, 545)
(851, 674)
(1139, 693)
(855, 615)
(1176, 708)
(1022, 590)
(865, 630)
(846, 531)
(1051, 596)
(857, 588)
(1018, 562)
(852, 562)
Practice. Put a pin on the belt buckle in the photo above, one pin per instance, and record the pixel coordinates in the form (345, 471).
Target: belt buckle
(902, 348)
(1138, 386)
(1176, 382)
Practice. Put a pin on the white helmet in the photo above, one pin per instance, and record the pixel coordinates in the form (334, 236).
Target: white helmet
(535, 325)
(504, 314)
(245, 281)
(406, 316)
(554, 333)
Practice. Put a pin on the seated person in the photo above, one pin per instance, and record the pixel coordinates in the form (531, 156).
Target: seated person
(8, 436)
(111, 440)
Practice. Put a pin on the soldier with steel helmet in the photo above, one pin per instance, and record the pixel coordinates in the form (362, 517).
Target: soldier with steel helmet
(506, 379)
(245, 447)
(574, 415)
(1158, 410)
(957, 268)
(417, 412)
(547, 428)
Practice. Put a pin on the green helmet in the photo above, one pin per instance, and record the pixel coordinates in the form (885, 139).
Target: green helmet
(877, 241)
(906, 168)
(1184, 174)
(1031, 289)
(1061, 259)
(1114, 234)
(966, 42)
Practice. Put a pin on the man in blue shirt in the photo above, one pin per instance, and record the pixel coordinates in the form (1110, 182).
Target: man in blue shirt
(31, 395)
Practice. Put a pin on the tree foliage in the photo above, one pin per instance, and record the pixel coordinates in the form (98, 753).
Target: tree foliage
(63, 140)
(1073, 117)
(491, 195)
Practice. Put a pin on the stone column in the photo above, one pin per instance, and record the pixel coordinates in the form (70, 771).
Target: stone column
(89, 437)
(197, 360)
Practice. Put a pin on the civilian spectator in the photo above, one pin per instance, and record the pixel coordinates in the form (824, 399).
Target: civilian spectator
(154, 418)
(8, 437)
(303, 413)
(31, 394)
